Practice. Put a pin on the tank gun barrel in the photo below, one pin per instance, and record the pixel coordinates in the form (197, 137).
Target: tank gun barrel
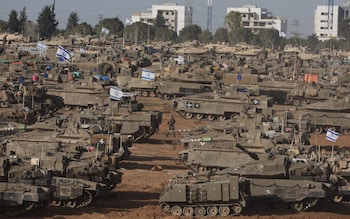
(245, 150)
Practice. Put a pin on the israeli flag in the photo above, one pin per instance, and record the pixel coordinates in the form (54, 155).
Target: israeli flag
(105, 30)
(332, 135)
(115, 93)
(41, 46)
(63, 54)
(148, 75)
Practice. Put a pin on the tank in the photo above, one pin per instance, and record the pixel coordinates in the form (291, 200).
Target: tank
(309, 93)
(168, 89)
(81, 94)
(260, 184)
(18, 198)
(214, 106)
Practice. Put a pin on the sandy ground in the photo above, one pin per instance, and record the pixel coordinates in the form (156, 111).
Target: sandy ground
(137, 195)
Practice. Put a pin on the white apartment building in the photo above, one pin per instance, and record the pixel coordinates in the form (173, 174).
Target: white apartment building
(255, 18)
(326, 25)
(177, 16)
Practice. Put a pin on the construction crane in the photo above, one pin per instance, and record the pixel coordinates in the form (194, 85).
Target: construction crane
(330, 15)
(209, 15)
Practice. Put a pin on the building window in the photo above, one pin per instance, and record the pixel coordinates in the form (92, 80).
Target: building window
(245, 24)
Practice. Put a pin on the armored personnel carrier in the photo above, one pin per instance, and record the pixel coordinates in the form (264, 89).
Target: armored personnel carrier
(279, 182)
(223, 106)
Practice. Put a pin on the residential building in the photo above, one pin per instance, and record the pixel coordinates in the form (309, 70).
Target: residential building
(176, 16)
(256, 19)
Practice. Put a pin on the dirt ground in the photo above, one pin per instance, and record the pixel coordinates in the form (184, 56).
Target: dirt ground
(137, 195)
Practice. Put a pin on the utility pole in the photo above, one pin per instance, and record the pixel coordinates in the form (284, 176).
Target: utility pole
(296, 33)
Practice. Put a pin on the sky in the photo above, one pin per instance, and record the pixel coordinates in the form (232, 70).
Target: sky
(91, 11)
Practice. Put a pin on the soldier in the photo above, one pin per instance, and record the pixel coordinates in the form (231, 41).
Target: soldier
(171, 124)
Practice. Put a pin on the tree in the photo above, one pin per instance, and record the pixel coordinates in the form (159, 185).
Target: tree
(164, 34)
(139, 32)
(84, 29)
(114, 25)
(47, 22)
(221, 35)
(312, 41)
(159, 21)
(233, 20)
(189, 33)
(269, 38)
(3, 26)
(13, 23)
(205, 36)
(22, 19)
(72, 22)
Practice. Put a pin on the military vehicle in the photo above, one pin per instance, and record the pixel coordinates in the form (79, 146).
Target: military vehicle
(87, 171)
(171, 89)
(18, 198)
(260, 184)
(223, 106)
(82, 95)
(309, 93)
(277, 89)
(125, 80)
(321, 116)
(33, 96)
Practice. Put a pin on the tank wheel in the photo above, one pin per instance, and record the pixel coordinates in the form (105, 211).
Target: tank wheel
(338, 198)
(236, 208)
(85, 199)
(318, 129)
(332, 128)
(211, 117)
(311, 202)
(224, 211)
(199, 211)
(297, 206)
(346, 131)
(144, 93)
(260, 206)
(70, 204)
(281, 206)
(165, 207)
(152, 94)
(166, 96)
(222, 118)
(199, 116)
(296, 102)
(188, 115)
(176, 210)
(56, 203)
(212, 211)
(234, 116)
(188, 211)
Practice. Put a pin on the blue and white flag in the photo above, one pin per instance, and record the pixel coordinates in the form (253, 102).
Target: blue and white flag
(63, 54)
(41, 46)
(105, 30)
(332, 135)
(115, 93)
(148, 75)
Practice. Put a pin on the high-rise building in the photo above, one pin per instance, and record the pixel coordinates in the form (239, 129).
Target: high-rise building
(326, 24)
(176, 16)
(256, 19)
(327, 20)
